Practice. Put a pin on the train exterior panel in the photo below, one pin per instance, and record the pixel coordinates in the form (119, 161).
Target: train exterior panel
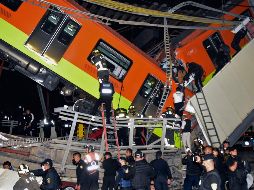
(196, 46)
(20, 27)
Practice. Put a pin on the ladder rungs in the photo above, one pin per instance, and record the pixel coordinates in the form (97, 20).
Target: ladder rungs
(210, 129)
(111, 140)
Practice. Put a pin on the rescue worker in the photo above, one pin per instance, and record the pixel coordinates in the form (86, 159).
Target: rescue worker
(235, 44)
(110, 167)
(81, 171)
(50, 177)
(163, 175)
(197, 70)
(210, 180)
(186, 133)
(92, 160)
(26, 180)
(106, 88)
(178, 97)
(106, 96)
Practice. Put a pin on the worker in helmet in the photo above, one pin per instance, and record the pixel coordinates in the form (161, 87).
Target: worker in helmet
(92, 159)
(26, 180)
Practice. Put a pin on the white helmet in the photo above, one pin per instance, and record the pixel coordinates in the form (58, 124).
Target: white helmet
(23, 169)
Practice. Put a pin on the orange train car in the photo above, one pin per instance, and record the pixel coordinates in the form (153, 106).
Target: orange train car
(49, 46)
(202, 46)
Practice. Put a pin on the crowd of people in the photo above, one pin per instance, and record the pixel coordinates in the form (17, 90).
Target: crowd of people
(207, 168)
(126, 173)
(224, 168)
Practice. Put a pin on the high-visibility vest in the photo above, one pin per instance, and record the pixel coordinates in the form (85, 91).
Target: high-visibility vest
(92, 159)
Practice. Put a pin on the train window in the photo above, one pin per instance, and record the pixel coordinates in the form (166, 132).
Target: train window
(212, 45)
(148, 86)
(117, 63)
(69, 32)
(11, 4)
(51, 22)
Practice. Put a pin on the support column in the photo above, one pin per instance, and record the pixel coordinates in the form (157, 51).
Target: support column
(131, 133)
(66, 153)
(164, 128)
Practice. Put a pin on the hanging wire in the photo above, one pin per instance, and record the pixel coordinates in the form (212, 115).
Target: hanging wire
(101, 19)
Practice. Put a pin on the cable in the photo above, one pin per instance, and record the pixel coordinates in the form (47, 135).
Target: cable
(101, 19)
(155, 13)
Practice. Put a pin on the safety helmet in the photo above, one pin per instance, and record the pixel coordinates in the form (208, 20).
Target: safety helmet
(23, 169)
(90, 148)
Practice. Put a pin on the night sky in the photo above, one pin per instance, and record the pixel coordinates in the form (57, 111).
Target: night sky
(17, 89)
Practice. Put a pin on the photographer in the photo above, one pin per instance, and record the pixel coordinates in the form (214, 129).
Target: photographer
(193, 171)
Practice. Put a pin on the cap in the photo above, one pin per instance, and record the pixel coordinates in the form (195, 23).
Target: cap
(138, 153)
(208, 157)
(47, 161)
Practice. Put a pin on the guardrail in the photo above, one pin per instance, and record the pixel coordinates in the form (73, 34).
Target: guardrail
(131, 123)
(9, 124)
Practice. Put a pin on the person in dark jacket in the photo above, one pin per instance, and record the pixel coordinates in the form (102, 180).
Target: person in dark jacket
(210, 180)
(110, 167)
(50, 178)
(106, 96)
(235, 44)
(81, 171)
(233, 156)
(129, 157)
(162, 171)
(236, 177)
(124, 175)
(142, 172)
(193, 171)
(221, 60)
(194, 68)
(220, 166)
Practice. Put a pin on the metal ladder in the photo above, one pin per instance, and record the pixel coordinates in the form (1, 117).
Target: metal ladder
(167, 86)
(107, 130)
(208, 119)
(151, 97)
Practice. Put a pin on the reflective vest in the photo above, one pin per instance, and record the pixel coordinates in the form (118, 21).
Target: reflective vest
(92, 159)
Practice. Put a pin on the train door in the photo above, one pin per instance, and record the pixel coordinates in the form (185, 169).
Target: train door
(53, 35)
(212, 45)
(147, 100)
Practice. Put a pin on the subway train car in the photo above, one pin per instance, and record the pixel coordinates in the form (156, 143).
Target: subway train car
(49, 46)
(202, 46)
